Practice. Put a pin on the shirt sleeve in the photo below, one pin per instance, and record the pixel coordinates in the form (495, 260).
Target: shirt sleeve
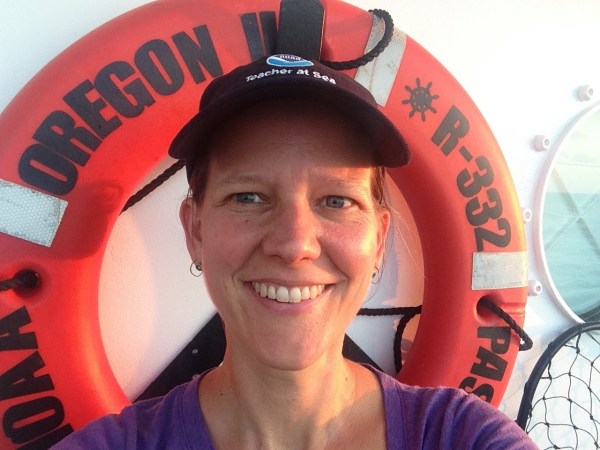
(174, 421)
(105, 433)
(446, 419)
(451, 419)
(478, 425)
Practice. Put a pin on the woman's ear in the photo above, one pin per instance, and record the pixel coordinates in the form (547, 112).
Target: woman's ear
(192, 228)
(382, 231)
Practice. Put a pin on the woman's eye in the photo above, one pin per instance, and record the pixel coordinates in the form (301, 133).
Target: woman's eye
(337, 201)
(247, 197)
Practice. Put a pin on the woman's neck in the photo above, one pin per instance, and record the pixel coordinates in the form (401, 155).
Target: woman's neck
(251, 406)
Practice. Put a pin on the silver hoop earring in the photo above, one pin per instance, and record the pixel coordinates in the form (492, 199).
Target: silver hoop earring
(376, 276)
(196, 269)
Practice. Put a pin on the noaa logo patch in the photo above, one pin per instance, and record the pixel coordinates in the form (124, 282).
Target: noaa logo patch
(288, 61)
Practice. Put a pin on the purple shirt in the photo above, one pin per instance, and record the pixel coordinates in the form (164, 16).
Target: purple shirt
(416, 418)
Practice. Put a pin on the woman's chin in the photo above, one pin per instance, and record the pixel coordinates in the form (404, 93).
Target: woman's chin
(288, 354)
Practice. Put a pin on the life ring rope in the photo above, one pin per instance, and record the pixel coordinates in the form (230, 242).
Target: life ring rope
(374, 52)
(526, 341)
(24, 279)
(154, 184)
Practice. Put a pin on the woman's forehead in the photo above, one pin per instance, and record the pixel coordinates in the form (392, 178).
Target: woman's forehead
(277, 131)
(253, 175)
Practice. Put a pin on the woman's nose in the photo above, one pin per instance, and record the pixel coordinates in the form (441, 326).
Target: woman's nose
(292, 234)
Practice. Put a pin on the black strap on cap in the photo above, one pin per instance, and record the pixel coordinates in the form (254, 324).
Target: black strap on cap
(301, 28)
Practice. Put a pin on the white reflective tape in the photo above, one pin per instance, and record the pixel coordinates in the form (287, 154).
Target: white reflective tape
(379, 75)
(499, 270)
(28, 214)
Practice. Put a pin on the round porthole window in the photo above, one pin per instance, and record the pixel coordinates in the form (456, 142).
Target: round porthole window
(570, 227)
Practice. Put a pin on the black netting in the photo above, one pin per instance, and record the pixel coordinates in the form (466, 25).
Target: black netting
(561, 404)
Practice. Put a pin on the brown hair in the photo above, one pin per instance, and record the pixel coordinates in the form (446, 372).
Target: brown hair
(198, 178)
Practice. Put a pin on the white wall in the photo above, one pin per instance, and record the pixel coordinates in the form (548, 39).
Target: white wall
(520, 60)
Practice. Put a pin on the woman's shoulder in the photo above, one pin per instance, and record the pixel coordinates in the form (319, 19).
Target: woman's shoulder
(171, 420)
(445, 418)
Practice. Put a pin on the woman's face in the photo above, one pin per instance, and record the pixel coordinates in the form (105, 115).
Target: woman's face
(288, 232)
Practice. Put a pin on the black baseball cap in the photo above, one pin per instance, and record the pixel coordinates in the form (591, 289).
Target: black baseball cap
(280, 76)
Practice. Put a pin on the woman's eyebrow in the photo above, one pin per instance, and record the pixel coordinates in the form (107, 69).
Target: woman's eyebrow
(234, 179)
(353, 183)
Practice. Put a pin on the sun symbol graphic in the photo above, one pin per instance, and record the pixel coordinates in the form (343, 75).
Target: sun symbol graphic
(420, 99)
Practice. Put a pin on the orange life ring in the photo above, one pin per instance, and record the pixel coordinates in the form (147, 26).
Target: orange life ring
(82, 134)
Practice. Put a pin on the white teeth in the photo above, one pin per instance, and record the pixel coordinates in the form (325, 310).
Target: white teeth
(305, 293)
(295, 295)
(314, 291)
(285, 294)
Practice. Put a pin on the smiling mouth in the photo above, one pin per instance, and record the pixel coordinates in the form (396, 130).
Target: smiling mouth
(284, 294)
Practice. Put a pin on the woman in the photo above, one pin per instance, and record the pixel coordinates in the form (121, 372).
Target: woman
(286, 218)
